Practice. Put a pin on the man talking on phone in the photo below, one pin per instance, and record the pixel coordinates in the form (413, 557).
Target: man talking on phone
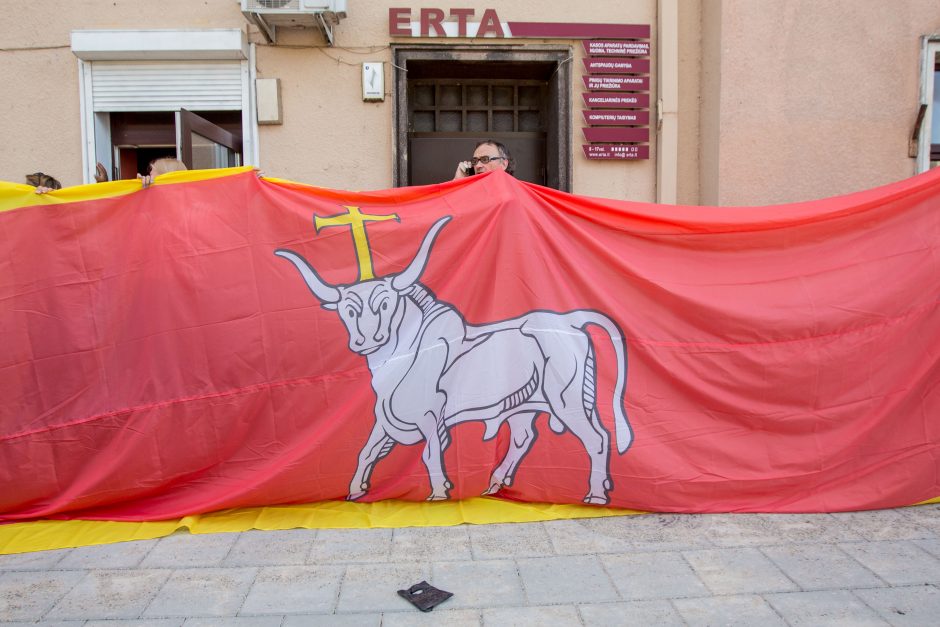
(488, 155)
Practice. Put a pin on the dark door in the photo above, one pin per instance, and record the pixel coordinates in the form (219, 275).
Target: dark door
(449, 117)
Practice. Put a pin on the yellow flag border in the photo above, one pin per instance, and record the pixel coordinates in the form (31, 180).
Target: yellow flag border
(19, 195)
(45, 535)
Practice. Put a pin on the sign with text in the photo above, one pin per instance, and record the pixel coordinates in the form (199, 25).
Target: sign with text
(609, 65)
(615, 48)
(616, 117)
(616, 101)
(616, 134)
(617, 83)
(468, 22)
(615, 151)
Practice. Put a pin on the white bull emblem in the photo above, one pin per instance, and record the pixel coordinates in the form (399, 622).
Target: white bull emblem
(431, 370)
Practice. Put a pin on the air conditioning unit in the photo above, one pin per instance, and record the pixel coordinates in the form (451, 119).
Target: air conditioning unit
(269, 15)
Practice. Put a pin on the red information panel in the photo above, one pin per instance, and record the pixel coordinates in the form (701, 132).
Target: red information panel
(616, 134)
(616, 101)
(616, 117)
(611, 65)
(617, 83)
(615, 151)
(616, 48)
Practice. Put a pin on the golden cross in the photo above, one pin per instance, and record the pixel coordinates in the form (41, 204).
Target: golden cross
(357, 221)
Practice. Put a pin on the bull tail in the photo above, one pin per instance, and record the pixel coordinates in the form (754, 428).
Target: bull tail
(622, 425)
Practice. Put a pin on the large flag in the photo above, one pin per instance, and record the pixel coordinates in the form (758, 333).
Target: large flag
(235, 341)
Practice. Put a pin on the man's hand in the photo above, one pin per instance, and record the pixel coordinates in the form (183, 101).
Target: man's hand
(101, 173)
(462, 168)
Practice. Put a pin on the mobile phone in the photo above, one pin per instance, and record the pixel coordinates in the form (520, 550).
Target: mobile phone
(469, 171)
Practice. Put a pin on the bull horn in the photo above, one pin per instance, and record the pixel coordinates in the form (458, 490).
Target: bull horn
(320, 288)
(413, 272)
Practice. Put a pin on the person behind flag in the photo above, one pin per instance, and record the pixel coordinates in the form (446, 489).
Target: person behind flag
(161, 166)
(488, 155)
(42, 182)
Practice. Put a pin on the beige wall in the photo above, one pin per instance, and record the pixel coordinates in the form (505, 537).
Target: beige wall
(777, 101)
(330, 137)
(816, 98)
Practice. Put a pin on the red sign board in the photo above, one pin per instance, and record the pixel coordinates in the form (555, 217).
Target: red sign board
(579, 31)
(615, 151)
(617, 83)
(616, 117)
(616, 101)
(616, 134)
(615, 48)
(611, 65)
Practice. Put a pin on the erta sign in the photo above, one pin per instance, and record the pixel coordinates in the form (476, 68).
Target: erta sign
(469, 22)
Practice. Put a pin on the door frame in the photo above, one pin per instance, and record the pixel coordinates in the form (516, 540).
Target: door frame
(558, 135)
(189, 123)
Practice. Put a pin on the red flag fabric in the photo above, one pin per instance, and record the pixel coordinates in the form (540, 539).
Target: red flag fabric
(239, 342)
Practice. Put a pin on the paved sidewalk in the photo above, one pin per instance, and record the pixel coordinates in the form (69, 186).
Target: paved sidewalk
(871, 568)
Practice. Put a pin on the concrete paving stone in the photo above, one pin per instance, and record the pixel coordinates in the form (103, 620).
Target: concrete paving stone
(899, 562)
(263, 548)
(738, 571)
(118, 555)
(827, 607)
(236, 621)
(195, 592)
(431, 543)
(293, 590)
(181, 550)
(905, 605)
(655, 532)
(927, 516)
(808, 528)
(417, 618)
(374, 587)
(568, 579)
(490, 583)
(489, 542)
(932, 546)
(27, 596)
(105, 594)
(659, 613)
(660, 575)
(734, 530)
(885, 524)
(141, 622)
(728, 611)
(351, 546)
(333, 620)
(35, 560)
(554, 615)
(577, 537)
(820, 567)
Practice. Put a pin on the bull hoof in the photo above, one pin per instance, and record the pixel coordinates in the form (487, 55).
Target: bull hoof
(493, 489)
(438, 497)
(596, 500)
(355, 496)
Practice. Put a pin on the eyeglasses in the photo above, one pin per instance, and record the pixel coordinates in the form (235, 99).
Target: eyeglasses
(484, 160)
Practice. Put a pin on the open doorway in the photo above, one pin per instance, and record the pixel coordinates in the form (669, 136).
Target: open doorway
(211, 139)
(451, 97)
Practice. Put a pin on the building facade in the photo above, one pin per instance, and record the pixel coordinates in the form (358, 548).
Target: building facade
(700, 102)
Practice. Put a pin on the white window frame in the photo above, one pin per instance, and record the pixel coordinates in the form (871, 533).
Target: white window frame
(159, 45)
(931, 49)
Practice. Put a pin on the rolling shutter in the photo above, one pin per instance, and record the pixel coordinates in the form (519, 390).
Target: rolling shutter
(166, 85)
